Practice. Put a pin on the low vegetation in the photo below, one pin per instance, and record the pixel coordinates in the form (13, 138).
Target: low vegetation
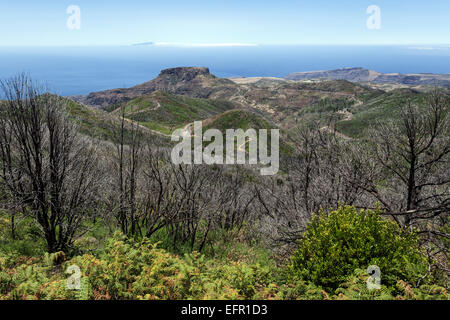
(165, 112)
(129, 268)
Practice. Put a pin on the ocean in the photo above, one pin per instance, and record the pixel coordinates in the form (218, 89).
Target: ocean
(80, 70)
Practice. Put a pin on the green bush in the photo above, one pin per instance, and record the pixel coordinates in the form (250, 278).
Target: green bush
(337, 244)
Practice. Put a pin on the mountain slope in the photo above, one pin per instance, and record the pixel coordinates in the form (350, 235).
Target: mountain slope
(190, 81)
(101, 125)
(274, 98)
(164, 111)
(241, 119)
(179, 96)
(383, 107)
(365, 75)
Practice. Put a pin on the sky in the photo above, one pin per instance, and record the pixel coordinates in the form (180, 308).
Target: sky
(224, 22)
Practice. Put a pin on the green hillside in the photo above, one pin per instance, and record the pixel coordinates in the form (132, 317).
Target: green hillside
(101, 125)
(93, 122)
(164, 112)
(382, 107)
(241, 119)
(237, 119)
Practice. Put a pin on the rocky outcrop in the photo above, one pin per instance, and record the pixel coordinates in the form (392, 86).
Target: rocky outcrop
(196, 82)
(185, 74)
(349, 74)
(365, 75)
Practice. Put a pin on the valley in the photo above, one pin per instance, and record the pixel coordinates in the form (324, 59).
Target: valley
(182, 95)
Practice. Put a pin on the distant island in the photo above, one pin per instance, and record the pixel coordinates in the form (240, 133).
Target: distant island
(148, 43)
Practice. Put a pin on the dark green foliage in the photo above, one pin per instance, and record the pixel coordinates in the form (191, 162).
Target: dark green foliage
(336, 244)
(28, 239)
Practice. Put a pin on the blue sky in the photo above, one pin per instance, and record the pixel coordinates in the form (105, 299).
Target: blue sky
(43, 22)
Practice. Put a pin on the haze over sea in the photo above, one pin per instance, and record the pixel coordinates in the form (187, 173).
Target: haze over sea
(80, 70)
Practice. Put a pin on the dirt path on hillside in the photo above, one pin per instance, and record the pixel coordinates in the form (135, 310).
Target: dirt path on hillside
(348, 116)
(145, 128)
(242, 145)
(158, 105)
(337, 133)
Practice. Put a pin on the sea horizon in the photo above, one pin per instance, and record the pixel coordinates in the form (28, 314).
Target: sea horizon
(80, 70)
